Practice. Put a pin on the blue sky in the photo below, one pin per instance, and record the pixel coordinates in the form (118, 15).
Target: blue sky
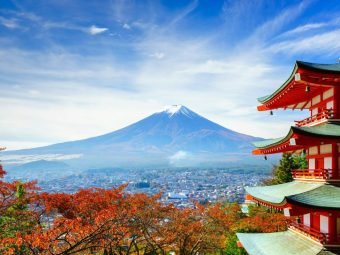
(75, 69)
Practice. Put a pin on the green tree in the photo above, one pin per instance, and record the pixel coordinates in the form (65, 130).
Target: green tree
(282, 172)
(232, 248)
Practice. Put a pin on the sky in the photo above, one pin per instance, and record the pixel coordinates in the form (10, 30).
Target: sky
(76, 69)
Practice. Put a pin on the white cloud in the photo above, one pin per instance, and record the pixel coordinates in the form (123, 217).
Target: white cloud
(277, 23)
(126, 26)
(326, 42)
(94, 30)
(183, 13)
(304, 28)
(9, 23)
(22, 159)
(179, 157)
(158, 55)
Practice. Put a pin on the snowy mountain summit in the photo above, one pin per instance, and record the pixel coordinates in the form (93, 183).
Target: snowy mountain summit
(179, 109)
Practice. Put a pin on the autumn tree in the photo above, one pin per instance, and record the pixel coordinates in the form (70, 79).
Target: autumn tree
(16, 217)
(262, 220)
(98, 221)
(91, 220)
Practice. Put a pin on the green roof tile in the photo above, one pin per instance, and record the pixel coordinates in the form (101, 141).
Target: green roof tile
(279, 243)
(267, 142)
(276, 194)
(326, 196)
(329, 129)
(334, 68)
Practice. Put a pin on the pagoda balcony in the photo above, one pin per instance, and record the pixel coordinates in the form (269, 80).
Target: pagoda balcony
(317, 118)
(319, 174)
(323, 238)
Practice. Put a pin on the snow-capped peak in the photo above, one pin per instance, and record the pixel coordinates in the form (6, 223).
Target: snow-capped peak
(176, 109)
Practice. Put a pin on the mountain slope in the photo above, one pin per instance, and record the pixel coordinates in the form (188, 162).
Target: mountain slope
(156, 139)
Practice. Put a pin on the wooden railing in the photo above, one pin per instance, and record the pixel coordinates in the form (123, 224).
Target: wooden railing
(324, 238)
(323, 115)
(312, 174)
(308, 231)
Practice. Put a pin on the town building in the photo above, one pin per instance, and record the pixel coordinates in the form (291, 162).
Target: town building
(312, 201)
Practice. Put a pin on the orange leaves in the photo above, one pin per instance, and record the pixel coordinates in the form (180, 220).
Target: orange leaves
(92, 221)
(88, 219)
(262, 221)
(2, 172)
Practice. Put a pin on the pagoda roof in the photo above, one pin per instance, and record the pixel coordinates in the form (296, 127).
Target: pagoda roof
(328, 130)
(279, 243)
(315, 75)
(276, 194)
(307, 193)
(325, 196)
(329, 68)
(269, 142)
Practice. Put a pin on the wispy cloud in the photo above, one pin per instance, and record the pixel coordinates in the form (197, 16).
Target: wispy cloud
(304, 28)
(26, 19)
(324, 42)
(183, 13)
(180, 158)
(22, 159)
(126, 26)
(277, 23)
(9, 23)
(158, 55)
(94, 30)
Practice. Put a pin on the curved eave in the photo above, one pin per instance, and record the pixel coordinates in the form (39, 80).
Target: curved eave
(275, 195)
(274, 145)
(325, 196)
(305, 136)
(316, 76)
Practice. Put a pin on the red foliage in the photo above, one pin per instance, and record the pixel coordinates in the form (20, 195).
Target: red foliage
(262, 221)
(99, 221)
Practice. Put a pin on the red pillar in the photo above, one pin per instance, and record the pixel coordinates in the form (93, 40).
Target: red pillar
(335, 167)
(332, 228)
(336, 103)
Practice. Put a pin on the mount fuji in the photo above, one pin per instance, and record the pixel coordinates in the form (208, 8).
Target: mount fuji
(175, 136)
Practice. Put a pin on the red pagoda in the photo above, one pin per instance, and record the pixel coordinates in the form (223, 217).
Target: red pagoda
(312, 201)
